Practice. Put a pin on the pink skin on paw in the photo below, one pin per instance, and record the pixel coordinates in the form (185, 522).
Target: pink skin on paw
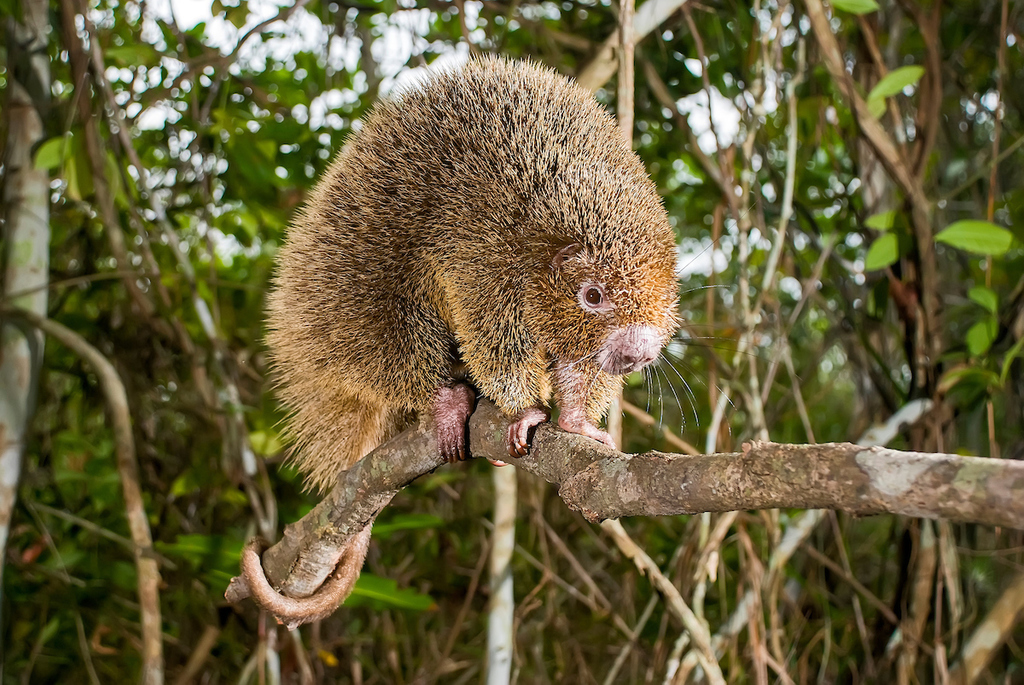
(573, 388)
(452, 407)
(575, 422)
(517, 440)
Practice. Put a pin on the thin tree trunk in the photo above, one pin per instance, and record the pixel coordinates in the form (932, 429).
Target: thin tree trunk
(26, 242)
(500, 634)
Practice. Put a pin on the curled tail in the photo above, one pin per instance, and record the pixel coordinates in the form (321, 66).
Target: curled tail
(292, 611)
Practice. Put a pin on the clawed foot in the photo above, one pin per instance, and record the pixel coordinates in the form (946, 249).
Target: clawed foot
(517, 440)
(581, 426)
(452, 407)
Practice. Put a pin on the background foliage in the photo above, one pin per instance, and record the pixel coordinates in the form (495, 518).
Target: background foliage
(181, 139)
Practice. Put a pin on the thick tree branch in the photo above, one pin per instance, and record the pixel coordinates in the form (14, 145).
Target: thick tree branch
(603, 483)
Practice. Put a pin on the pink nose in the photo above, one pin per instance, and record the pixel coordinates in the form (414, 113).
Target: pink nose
(629, 349)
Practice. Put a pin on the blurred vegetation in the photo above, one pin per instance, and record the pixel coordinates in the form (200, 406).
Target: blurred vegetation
(232, 134)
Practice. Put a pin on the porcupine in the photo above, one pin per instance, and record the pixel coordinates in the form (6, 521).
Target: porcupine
(489, 230)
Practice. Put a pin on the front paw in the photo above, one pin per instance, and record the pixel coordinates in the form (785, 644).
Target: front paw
(581, 426)
(517, 439)
(601, 436)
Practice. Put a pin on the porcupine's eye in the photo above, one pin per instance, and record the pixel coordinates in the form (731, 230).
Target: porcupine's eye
(593, 298)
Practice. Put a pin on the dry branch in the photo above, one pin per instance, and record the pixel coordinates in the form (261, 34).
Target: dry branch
(990, 635)
(673, 600)
(604, 483)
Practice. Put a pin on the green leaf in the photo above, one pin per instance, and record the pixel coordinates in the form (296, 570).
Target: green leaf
(976, 236)
(856, 6)
(133, 55)
(953, 377)
(1008, 360)
(985, 297)
(265, 442)
(407, 522)
(74, 180)
(883, 252)
(184, 484)
(895, 81)
(48, 155)
(123, 574)
(193, 544)
(981, 335)
(235, 497)
(385, 591)
(49, 630)
(238, 15)
(876, 107)
(881, 222)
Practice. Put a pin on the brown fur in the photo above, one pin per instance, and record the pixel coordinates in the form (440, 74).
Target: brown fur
(431, 241)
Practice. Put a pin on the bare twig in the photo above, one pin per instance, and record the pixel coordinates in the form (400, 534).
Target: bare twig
(990, 634)
(645, 615)
(620, 659)
(673, 600)
(858, 612)
(665, 99)
(98, 530)
(549, 575)
(199, 654)
(627, 45)
(581, 572)
(872, 599)
(912, 627)
(787, 190)
(83, 645)
(993, 188)
(460, 618)
(670, 437)
(650, 15)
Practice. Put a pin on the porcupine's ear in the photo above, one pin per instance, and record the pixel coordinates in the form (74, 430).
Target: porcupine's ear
(564, 255)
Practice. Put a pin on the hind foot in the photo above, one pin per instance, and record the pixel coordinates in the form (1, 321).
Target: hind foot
(452, 407)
